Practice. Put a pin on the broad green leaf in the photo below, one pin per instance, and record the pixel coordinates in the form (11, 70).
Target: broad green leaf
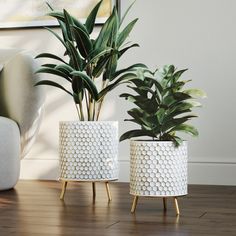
(136, 133)
(51, 83)
(189, 129)
(90, 21)
(88, 83)
(195, 93)
(178, 74)
(125, 33)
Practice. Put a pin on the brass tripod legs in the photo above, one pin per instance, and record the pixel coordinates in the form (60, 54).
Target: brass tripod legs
(176, 206)
(63, 190)
(135, 201)
(94, 190)
(108, 191)
(64, 185)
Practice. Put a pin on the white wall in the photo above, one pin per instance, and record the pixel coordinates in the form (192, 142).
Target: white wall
(197, 34)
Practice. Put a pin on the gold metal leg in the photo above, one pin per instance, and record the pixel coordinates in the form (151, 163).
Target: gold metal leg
(108, 191)
(176, 206)
(64, 184)
(94, 190)
(164, 204)
(135, 201)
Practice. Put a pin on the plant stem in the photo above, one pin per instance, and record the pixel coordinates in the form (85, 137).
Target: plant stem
(87, 104)
(104, 85)
(81, 111)
(78, 111)
(90, 109)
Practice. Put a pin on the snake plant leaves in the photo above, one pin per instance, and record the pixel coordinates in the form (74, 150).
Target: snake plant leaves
(125, 32)
(88, 83)
(53, 84)
(51, 56)
(90, 21)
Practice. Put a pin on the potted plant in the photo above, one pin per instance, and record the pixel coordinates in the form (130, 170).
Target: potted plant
(158, 165)
(89, 147)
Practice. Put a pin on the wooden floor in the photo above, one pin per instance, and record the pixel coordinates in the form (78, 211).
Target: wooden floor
(34, 208)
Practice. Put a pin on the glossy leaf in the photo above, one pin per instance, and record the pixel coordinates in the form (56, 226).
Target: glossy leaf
(51, 56)
(51, 83)
(136, 133)
(90, 21)
(54, 71)
(89, 84)
(83, 41)
(125, 33)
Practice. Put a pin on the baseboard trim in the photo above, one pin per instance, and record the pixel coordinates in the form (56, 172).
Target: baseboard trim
(209, 173)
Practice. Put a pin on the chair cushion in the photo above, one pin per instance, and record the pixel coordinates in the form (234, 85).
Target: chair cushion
(20, 100)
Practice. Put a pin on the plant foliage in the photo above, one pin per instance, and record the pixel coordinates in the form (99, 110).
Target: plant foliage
(88, 61)
(163, 105)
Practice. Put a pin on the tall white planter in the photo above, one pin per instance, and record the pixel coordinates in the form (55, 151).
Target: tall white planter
(158, 169)
(88, 150)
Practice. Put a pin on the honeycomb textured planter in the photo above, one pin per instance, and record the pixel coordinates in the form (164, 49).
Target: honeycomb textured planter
(88, 150)
(158, 169)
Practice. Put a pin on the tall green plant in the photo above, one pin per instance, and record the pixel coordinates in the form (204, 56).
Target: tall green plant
(89, 63)
(163, 105)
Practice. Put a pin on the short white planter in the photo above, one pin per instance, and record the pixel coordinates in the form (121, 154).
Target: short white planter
(158, 169)
(88, 150)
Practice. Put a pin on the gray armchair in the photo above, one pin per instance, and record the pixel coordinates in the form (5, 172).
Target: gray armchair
(21, 110)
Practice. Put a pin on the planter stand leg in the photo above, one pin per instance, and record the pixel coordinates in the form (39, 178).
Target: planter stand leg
(108, 191)
(164, 204)
(64, 184)
(135, 201)
(94, 190)
(176, 206)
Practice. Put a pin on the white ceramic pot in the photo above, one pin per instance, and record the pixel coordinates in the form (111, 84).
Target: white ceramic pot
(88, 150)
(158, 168)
